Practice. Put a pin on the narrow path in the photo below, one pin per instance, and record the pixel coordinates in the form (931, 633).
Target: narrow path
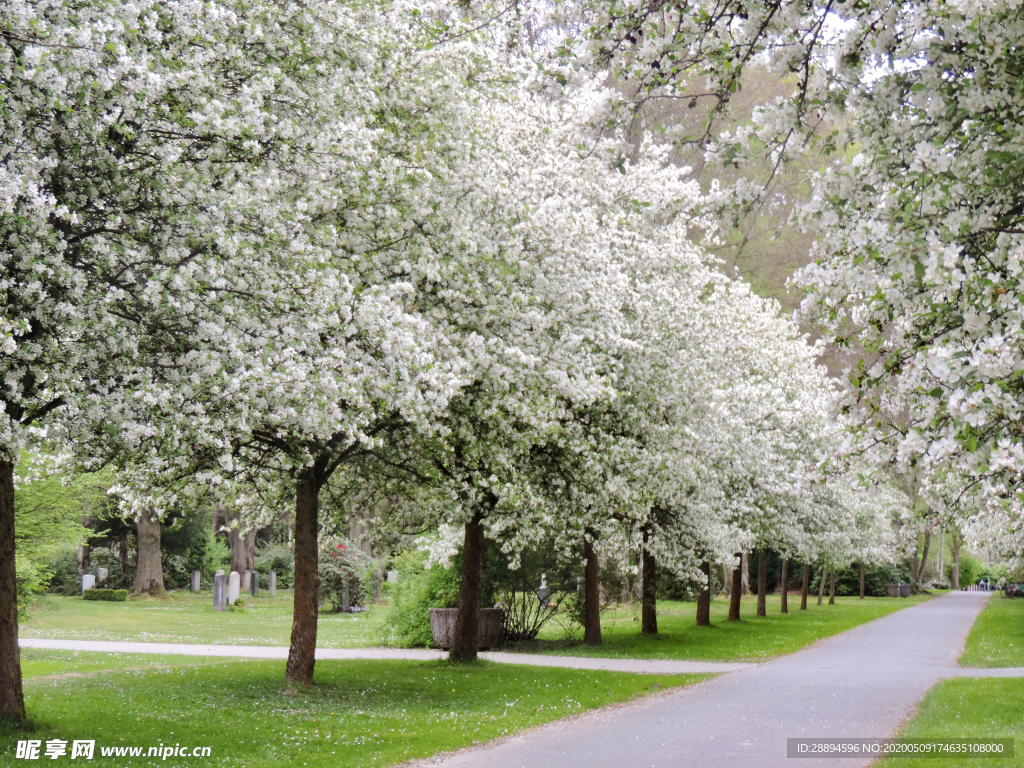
(636, 666)
(860, 684)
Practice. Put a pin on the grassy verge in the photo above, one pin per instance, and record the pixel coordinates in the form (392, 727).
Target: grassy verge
(752, 638)
(997, 637)
(186, 617)
(360, 713)
(969, 708)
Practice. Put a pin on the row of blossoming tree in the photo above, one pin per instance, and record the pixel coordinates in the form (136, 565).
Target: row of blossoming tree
(254, 251)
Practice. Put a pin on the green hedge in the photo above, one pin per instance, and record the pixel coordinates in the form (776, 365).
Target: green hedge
(111, 595)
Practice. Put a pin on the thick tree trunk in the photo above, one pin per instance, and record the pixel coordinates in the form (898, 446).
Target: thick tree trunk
(149, 567)
(954, 570)
(805, 587)
(832, 588)
(924, 556)
(821, 586)
(784, 607)
(861, 579)
(704, 597)
(745, 570)
(467, 621)
(649, 597)
(302, 650)
(737, 592)
(12, 700)
(591, 592)
(242, 546)
(762, 578)
(726, 578)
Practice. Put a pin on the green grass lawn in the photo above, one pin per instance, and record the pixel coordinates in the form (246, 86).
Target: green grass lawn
(969, 708)
(997, 637)
(186, 617)
(360, 713)
(750, 639)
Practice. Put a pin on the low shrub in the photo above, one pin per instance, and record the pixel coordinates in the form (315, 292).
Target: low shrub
(277, 558)
(417, 590)
(110, 595)
(343, 566)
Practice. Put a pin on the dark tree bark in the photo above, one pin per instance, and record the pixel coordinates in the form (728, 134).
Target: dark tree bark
(805, 587)
(649, 597)
(762, 578)
(832, 588)
(467, 621)
(784, 602)
(149, 566)
(12, 699)
(302, 650)
(861, 579)
(591, 592)
(704, 597)
(242, 546)
(122, 556)
(955, 543)
(737, 592)
(924, 557)
(821, 586)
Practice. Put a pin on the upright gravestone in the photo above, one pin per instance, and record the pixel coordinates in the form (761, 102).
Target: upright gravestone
(272, 583)
(392, 576)
(245, 580)
(255, 583)
(232, 587)
(219, 592)
(195, 581)
(88, 582)
(101, 575)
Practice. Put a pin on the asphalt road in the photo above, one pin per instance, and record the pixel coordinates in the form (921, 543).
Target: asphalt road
(859, 684)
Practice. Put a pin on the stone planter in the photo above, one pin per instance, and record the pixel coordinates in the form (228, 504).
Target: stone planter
(488, 635)
(894, 590)
(904, 590)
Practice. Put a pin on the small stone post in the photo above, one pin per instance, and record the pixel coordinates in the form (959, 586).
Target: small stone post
(232, 587)
(255, 583)
(246, 581)
(195, 581)
(101, 575)
(272, 584)
(219, 592)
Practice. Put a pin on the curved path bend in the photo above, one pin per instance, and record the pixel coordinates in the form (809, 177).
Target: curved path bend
(859, 684)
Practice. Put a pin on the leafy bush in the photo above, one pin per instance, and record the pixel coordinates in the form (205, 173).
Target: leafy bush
(110, 595)
(64, 579)
(876, 579)
(277, 558)
(343, 566)
(417, 591)
(970, 569)
(30, 580)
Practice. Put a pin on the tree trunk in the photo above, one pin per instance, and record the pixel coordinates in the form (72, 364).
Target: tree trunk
(84, 550)
(821, 586)
(861, 579)
(745, 570)
(954, 571)
(302, 650)
(832, 588)
(737, 592)
(591, 592)
(704, 597)
(805, 587)
(12, 700)
(762, 592)
(649, 597)
(242, 546)
(784, 607)
(924, 556)
(467, 621)
(726, 579)
(149, 567)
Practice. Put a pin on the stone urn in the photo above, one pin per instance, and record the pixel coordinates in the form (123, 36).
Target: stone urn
(488, 635)
(905, 590)
(894, 590)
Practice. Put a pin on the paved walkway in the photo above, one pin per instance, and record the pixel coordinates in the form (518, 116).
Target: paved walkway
(636, 666)
(860, 684)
